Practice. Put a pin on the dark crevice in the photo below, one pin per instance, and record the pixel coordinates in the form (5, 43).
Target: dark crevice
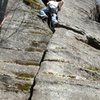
(26, 2)
(34, 81)
(97, 15)
(90, 41)
(3, 6)
(72, 29)
(93, 42)
(43, 57)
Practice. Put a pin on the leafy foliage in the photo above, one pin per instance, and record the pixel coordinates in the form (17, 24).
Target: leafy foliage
(33, 3)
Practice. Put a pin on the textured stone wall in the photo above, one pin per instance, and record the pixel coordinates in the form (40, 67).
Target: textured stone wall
(23, 40)
(71, 66)
(36, 64)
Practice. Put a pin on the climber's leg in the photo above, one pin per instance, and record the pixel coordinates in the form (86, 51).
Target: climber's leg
(43, 12)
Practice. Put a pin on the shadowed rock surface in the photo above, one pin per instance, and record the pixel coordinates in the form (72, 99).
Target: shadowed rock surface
(36, 64)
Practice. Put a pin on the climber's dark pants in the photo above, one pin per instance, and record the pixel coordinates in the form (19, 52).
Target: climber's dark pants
(53, 13)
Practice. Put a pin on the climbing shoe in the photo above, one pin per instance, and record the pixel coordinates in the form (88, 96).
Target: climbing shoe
(42, 16)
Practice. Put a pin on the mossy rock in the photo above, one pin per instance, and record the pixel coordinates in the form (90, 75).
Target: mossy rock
(33, 3)
(94, 69)
(34, 49)
(28, 62)
(38, 43)
(71, 76)
(24, 76)
(29, 2)
(23, 87)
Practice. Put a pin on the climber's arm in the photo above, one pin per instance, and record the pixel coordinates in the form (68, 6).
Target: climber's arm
(60, 4)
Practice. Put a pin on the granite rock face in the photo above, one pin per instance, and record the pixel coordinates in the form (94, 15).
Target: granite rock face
(36, 64)
(23, 40)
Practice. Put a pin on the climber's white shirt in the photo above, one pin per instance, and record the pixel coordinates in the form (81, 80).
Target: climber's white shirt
(53, 3)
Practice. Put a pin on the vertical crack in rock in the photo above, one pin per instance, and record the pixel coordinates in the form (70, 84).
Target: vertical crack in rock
(34, 81)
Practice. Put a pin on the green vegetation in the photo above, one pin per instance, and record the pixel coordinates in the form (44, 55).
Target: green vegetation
(30, 2)
(28, 62)
(95, 69)
(71, 76)
(24, 76)
(34, 49)
(33, 3)
(37, 43)
(94, 72)
(23, 87)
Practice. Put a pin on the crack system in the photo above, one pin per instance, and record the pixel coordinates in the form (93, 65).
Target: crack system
(34, 81)
(42, 59)
(90, 41)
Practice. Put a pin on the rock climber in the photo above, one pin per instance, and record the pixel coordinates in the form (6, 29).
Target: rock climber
(53, 6)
